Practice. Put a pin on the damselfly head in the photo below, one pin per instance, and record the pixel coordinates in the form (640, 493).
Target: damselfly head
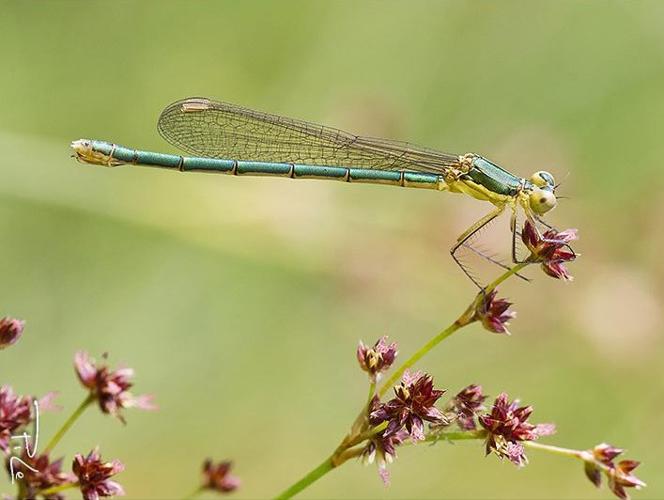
(542, 199)
(543, 179)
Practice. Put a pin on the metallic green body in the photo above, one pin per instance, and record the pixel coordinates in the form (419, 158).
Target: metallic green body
(295, 171)
(482, 172)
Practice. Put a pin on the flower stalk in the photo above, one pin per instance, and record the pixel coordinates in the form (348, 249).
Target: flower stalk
(466, 318)
(359, 430)
(53, 490)
(68, 423)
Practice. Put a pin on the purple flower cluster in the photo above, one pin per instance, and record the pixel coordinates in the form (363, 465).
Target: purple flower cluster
(413, 404)
(41, 474)
(94, 475)
(110, 387)
(217, 476)
(506, 425)
(493, 312)
(465, 406)
(15, 413)
(551, 249)
(11, 330)
(377, 359)
(619, 476)
(382, 448)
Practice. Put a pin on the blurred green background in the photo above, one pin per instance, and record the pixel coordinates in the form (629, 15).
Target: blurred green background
(240, 302)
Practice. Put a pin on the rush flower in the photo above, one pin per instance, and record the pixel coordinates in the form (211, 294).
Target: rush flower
(15, 412)
(466, 405)
(621, 477)
(507, 426)
(94, 475)
(551, 249)
(11, 330)
(493, 313)
(414, 403)
(40, 474)
(605, 453)
(217, 476)
(383, 448)
(110, 387)
(601, 459)
(377, 359)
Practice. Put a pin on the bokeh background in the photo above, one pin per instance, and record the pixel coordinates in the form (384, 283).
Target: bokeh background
(239, 302)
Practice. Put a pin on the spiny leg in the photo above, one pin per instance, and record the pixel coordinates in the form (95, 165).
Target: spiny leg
(470, 232)
(541, 221)
(515, 258)
(477, 251)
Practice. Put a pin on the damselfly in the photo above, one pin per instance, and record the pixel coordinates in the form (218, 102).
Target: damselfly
(229, 139)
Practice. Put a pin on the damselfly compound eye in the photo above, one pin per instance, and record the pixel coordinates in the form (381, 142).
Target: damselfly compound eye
(543, 179)
(542, 200)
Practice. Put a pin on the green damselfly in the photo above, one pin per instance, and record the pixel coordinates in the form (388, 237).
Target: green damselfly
(230, 139)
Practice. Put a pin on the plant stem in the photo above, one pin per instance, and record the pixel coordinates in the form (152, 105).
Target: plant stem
(455, 436)
(57, 489)
(68, 423)
(372, 391)
(568, 452)
(510, 272)
(466, 318)
(417, 356)
(195, 493)
(312, 476)
(339, 458)
(348, 443)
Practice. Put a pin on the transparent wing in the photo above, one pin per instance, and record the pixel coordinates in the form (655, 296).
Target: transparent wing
(213, 129)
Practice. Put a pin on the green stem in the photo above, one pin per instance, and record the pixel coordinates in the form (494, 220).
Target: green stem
(568, 452)
(418, 355)
(364, 436)
(372, 391)
(465, 319)
(339, 458)
(195, 493)
(68, 423)
(455, 436)
(510, 272)
(311, 477)
(57, 489)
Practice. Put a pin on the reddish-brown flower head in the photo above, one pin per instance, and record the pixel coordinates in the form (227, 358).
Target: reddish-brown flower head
(15, 412)
(217, 476)
(414, 403)
(110, 387)
(621, 477)
(493, 312)
(94, 476)
(39, 474)
(11, 330)
(382, 449)
(601, 459)
(466, 405)
(377, 359)
(605, 453)
(551, 249)
(507, 425)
